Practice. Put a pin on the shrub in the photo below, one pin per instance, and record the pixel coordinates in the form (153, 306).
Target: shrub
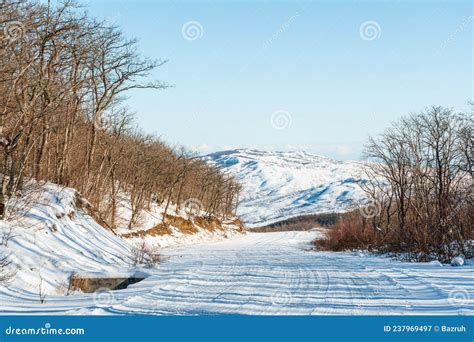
(142, 254)
(349, 232)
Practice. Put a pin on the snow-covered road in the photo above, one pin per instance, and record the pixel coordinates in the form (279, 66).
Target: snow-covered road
(272, 273)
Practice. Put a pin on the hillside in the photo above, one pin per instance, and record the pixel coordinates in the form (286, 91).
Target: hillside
(281, 185)
(50, 233)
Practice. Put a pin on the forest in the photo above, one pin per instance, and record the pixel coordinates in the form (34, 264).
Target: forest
(64, 76)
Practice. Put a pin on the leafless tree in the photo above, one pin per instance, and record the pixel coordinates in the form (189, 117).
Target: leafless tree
(63, 76)
(422, 168)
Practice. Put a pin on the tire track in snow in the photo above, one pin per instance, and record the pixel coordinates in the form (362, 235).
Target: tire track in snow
(241, 276)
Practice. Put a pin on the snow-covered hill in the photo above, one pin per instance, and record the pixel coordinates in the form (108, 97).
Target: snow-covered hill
(49, 235)
(280, 185)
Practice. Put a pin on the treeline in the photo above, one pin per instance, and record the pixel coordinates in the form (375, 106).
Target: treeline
(63, 77)
(420, 190)
(300, 223)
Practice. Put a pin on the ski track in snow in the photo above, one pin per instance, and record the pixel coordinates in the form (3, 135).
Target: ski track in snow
(270, 274)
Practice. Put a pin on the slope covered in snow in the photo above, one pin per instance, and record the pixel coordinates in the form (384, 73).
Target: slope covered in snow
(280, 185)
(49, 236)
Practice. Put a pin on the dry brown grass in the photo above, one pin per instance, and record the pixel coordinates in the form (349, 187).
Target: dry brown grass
(158, 230)
(209, 223)
(237, 222)
(184, 225)
(349, 232)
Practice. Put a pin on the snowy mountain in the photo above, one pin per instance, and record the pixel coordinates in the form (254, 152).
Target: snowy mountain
(280, 185)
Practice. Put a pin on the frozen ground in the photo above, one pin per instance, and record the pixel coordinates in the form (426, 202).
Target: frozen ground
(271, 273)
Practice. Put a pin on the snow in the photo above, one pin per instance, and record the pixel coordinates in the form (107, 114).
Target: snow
(147, 218)
(280, 185)
(270, 274)
(177, 238)
(276, 273)
(55, 239)
(51, 239)
(152, 216)
(458, 261)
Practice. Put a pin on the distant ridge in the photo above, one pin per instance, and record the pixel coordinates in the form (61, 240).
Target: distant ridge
(281, 185)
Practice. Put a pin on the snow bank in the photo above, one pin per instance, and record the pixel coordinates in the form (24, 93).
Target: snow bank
(51, 239)
(178, 238)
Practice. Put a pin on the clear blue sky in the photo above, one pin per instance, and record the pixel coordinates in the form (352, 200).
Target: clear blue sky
(308, 59)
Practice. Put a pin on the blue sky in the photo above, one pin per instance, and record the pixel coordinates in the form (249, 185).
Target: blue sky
(312, 63)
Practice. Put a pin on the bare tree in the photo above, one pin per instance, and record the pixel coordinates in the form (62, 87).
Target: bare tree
(62, 81)
(424, 163)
